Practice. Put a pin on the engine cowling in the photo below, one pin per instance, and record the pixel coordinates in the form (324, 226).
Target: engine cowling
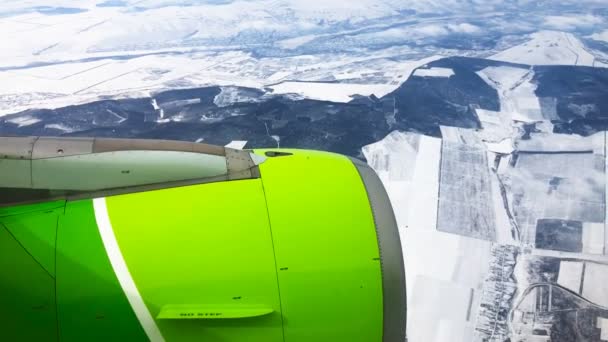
(278, 245)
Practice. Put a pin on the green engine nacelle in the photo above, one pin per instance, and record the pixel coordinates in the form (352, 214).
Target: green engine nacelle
(128, 240)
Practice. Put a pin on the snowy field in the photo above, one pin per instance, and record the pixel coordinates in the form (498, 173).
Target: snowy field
(434, 72)
(59, 85)
(548, 48)
(442, 287)
(518, 100)
(69, 53)
(500, 195)
(450, 283)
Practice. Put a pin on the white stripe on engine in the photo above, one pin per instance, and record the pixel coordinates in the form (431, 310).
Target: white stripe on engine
(122, 272)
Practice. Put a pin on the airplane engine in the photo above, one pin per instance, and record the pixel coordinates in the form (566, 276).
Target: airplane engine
(128, 240)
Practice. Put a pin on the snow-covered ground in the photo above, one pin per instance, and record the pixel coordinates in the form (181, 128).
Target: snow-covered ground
(24, 121)
(61, 55)
(335, 92)
(434, 72)
(70, 53)
(548, 48)
(518, 100)
(570, 273)
(63, 31)
(64, 84)
(343, 92)
(409, 165)
(457, 284)
(602, 36)
(444, 272)
(505, 146)
(595, 279)
(90, 30)
(543, 176)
